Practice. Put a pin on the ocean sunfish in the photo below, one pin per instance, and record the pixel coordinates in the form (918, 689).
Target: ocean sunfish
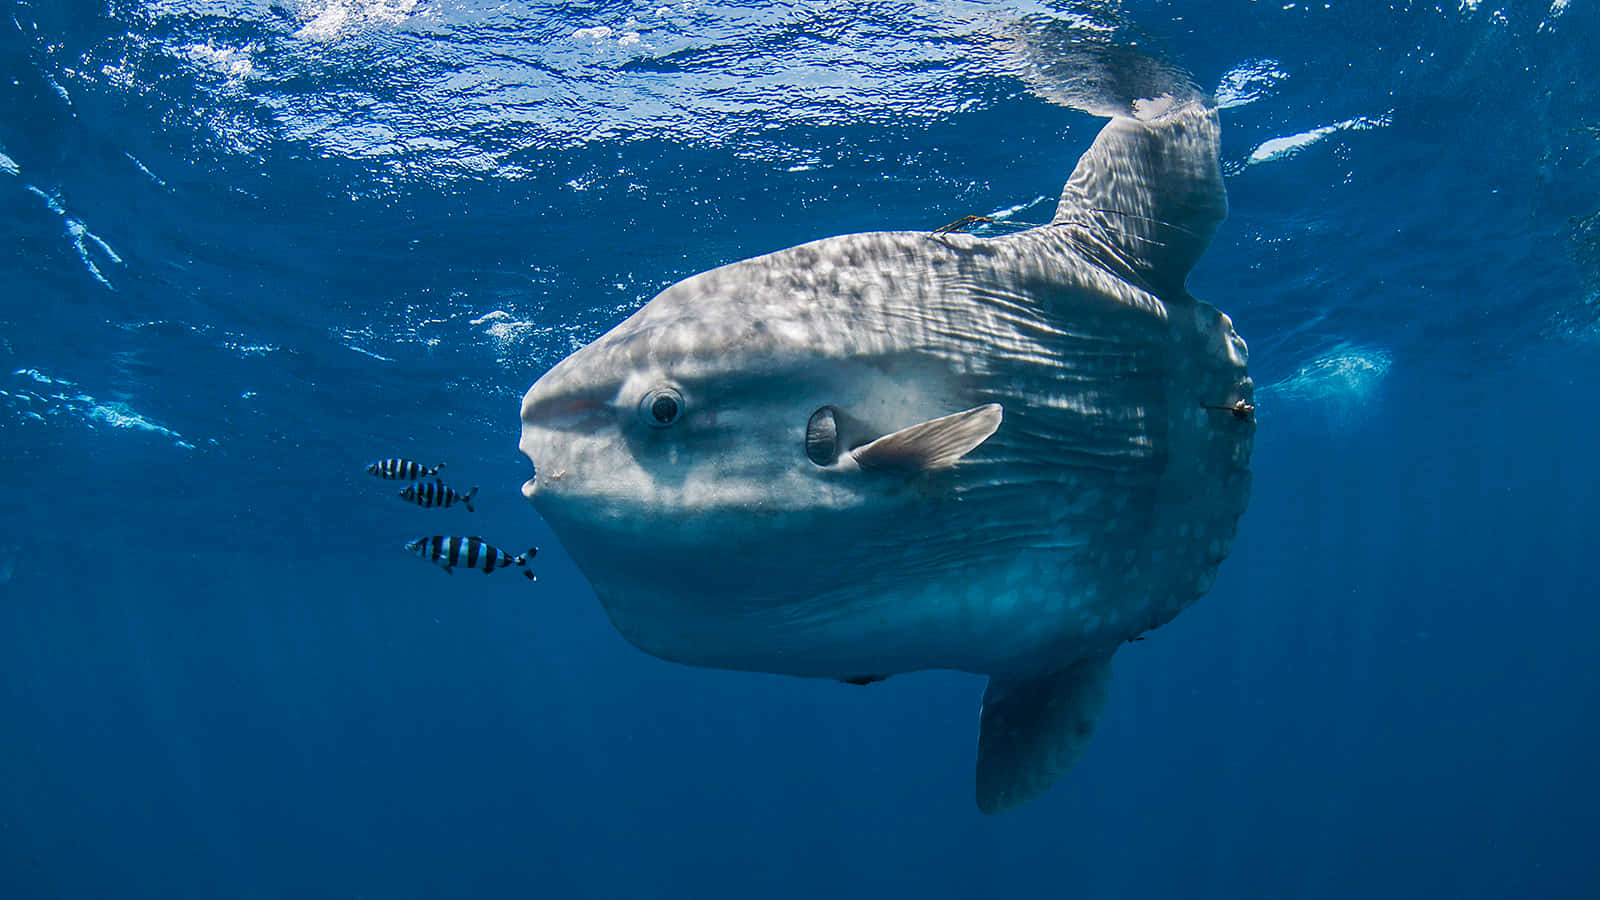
(885, 452)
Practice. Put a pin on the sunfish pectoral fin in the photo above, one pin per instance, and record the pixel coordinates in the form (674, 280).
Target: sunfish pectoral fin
(935, 444)
(1150, 190)
(1032, 730)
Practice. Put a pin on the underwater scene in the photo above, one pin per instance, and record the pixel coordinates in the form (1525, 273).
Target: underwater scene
(502, 448)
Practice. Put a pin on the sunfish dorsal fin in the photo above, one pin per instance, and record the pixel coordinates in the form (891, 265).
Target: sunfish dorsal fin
(1150, 190)
(1032, 730)
(935, 444)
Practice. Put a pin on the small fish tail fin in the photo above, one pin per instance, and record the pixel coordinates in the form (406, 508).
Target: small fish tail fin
(467, 498)
(436, 469)
(523, 562)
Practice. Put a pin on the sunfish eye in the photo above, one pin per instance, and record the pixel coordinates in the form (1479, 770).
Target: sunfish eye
(822, 437)
(661, 407)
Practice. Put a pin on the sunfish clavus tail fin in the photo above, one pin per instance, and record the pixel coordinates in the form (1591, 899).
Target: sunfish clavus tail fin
(1150, 190)
(1033, 730)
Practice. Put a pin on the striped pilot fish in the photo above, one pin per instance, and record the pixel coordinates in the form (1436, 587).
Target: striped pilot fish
(436, 494)
(402, 469)
(472, 552)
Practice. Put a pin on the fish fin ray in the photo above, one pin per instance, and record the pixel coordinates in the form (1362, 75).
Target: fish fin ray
(935, 444)
(1032, 730)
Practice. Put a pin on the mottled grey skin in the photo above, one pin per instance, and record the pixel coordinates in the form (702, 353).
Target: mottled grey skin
(1099, 509)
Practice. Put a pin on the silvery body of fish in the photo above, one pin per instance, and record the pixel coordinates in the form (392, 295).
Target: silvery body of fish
(436, 493)
(886, 452)
(395, 468)
(472, 552)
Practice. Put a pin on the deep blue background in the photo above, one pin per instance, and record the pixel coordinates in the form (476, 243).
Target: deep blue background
(220, 676)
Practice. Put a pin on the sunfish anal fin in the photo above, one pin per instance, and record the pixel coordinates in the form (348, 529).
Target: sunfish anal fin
(935, 444)
(1031, 731)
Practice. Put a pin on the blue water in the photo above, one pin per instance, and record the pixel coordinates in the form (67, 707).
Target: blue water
(247, 247)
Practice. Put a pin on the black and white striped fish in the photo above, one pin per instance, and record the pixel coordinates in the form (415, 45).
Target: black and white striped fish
(472, 552)
(397, 469)
(436, 494)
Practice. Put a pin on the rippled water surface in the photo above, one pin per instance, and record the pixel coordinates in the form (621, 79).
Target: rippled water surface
(247, 247)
